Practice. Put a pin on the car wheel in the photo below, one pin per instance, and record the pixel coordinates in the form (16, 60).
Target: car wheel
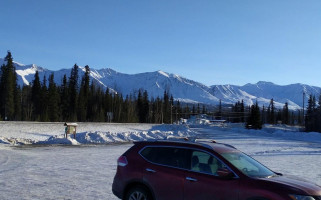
(138, 193)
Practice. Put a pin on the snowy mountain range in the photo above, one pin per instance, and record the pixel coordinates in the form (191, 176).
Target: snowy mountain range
(182, 89)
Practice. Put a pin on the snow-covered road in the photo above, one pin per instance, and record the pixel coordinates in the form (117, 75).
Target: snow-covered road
(58, 172)
(87, 171)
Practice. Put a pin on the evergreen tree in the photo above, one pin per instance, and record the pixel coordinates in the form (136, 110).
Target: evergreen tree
(129, 112)
(198, 109)
(140, 110)
(178, 111)
(242, 111)
(166, 109)
(84, 96)
(73, 94)
(8, 88)
(238, 112)
(157, 110)
(271, 113)
(279, 116)
(108, 101)
(100, 111)
(317, 116)
(118, 107)
(143, 106)
(254, 120)
(193, 110)
(146, 105)
(27, 104)
(299, 118)
(36, 97)
(18, 103)
(171, 108)
(219, 114)
(64, 101)
(44, 100)
(286, 116)
(203, 109)
(187, 112)
(263, 115)
(311, 115)
(234, 112)
(53, 100)
(292, 121)
(96, 106)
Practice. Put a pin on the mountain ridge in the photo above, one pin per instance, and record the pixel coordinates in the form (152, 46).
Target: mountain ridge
(183, 89)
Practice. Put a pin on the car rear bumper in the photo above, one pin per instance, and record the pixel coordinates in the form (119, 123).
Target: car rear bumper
(117, 187)
(117, 193)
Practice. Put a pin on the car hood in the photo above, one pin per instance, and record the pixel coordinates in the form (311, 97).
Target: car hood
(297, 184)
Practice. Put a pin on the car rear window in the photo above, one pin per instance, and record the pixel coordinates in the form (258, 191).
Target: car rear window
(169, 156)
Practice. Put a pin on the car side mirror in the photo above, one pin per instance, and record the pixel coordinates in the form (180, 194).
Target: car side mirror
(225, 173)
(279, 174)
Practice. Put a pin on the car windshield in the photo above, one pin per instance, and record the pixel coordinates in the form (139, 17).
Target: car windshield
(247, 165)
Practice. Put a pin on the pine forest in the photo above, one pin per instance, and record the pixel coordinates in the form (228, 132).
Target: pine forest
(83, 100)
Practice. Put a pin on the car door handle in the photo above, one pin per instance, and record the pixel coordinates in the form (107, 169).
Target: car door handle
(191, 179)
(150, 170)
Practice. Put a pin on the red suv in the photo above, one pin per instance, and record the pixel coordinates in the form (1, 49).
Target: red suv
(171, 170)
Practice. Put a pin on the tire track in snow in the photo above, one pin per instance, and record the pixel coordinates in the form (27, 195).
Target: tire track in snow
(3, 159)
(9, 161)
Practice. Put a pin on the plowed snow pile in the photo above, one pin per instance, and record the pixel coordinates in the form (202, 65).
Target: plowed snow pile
(87, 133)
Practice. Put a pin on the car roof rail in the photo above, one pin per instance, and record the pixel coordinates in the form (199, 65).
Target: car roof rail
(186, 140)
(205, 140)
(171, 137)
(228, 145)
(213, 141)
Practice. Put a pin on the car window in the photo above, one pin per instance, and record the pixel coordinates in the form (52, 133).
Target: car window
(149, 154)
(169, 156)
(205, 163)
(247, 165)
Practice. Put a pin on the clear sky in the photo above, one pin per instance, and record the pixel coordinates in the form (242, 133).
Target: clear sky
(210, 41)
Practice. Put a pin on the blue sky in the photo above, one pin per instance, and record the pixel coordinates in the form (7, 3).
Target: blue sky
(210, 41)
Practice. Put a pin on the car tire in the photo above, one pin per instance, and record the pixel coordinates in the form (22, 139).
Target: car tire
(138, 193)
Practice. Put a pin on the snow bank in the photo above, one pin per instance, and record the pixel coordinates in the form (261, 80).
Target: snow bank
(98, 137)
(16, 133)
(15, 141)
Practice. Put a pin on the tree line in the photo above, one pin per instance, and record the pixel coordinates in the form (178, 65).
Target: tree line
(254, 116)
(313, 114)
(79, 99)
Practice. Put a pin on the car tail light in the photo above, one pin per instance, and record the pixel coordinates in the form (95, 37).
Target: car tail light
(122, 161)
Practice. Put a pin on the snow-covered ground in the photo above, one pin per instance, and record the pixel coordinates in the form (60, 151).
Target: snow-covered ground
(86, 171)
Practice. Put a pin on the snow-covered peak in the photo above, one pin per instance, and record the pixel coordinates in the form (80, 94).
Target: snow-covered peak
(163, 73)
(264, 83)
(23, 71)
(107, 72)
